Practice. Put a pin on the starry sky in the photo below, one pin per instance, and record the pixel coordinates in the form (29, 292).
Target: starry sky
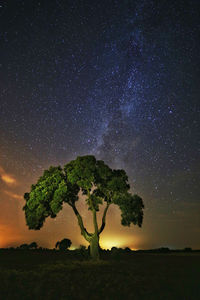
(116, 79)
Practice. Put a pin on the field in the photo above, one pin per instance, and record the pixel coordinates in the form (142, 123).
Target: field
(48, 274)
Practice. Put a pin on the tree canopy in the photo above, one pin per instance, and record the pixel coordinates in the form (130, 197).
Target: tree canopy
(63, 244)
(94, 179)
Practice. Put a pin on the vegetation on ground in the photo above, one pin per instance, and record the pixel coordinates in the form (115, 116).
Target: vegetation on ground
(51, 274)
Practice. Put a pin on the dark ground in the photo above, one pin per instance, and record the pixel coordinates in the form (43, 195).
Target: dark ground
(48, 274)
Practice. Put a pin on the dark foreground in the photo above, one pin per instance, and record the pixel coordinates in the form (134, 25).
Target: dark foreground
(33, 274)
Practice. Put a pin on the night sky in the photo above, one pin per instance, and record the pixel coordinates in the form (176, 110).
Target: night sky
(116, 79)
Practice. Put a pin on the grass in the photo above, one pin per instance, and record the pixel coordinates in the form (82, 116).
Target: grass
(33, 274)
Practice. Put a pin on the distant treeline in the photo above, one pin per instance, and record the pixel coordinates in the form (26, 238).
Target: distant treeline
(83, 249)
(166, 250)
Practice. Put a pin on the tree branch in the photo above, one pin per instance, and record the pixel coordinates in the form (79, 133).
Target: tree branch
(96, 230)
(84, 232)
(95, 221)
(104, 218)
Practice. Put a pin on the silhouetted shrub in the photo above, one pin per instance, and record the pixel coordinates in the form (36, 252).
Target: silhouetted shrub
(187, 249)
(33, 245)
(63, 245)
(116, 252)
(127, 250)
(82, 252)
(24, 246)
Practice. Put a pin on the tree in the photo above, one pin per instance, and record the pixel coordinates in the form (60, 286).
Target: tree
(64, 244)
(33, 245)
(24, 246)
(91, 178)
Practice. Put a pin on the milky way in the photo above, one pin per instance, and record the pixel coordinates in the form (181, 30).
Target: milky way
(117, 79)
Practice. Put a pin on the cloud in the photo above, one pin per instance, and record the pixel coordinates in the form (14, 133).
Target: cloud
(13, 195)
(7, 178)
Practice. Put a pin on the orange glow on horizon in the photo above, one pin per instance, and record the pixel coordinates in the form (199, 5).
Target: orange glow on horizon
(115, 241)
(9, 236)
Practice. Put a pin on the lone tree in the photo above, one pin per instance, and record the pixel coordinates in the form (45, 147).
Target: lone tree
(63, 245)
(91, 178)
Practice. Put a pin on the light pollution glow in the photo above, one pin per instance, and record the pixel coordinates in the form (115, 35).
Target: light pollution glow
(9, 236)
(113, 241)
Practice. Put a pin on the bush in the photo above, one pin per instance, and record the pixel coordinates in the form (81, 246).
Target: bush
(64, 244)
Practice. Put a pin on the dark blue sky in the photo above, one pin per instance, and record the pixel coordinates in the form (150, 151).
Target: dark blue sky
(117, 79)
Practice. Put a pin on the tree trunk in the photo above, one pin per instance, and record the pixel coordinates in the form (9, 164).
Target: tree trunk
(94, 247)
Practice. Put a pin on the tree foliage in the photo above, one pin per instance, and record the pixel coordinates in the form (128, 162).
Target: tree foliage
(47, 196)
